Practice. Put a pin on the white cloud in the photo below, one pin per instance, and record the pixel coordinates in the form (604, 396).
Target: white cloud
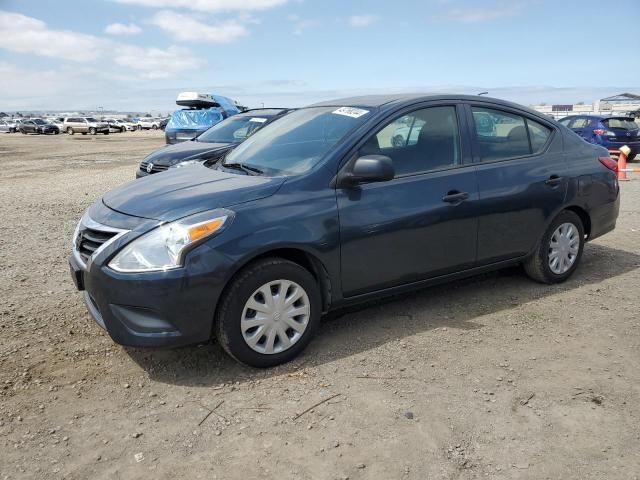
(185, 28)
(488, 13)
(209, 5)
(362, 20)
(153, 63)
(24, 34)
(29, 35)
(122, 29)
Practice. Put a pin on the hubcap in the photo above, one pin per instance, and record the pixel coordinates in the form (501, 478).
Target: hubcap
(563, 248)
(275, 317)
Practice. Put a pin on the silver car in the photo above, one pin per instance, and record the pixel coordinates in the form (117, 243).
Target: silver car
(84, 125)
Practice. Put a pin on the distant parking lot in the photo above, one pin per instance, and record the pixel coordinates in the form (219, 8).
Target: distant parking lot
(491, 377)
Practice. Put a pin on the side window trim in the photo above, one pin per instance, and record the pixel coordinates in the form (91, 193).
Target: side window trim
(472, 134)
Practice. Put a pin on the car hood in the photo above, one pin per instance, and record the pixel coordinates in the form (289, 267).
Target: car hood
(186, 191)
(172, 154)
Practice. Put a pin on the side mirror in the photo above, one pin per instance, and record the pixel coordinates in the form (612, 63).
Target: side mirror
(368, 169)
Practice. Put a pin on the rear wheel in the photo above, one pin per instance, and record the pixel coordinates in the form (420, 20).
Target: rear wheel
(154, 127)
(559, 252)
(269, 313)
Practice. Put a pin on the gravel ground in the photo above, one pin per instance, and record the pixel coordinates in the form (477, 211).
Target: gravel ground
(491, 377)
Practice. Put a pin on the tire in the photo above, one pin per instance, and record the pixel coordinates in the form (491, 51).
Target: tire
(139, 127)
(123, 129)
(538, 265)
(233, 307)
(92, 131)
(154, 127)
(70, 131)
(22, 131)
(106, 133)
(84, 133)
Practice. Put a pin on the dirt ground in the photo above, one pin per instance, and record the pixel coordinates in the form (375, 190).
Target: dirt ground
(492, 377)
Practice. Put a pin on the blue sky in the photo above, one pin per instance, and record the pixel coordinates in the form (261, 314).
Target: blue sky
(138, 54)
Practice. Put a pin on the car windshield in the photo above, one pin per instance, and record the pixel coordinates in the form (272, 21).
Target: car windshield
(297, 142)
(233, 130)
(91, 119)
(623, 123)
(39, 121)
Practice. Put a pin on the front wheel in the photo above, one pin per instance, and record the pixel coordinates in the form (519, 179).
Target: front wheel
(154, 127)
(269, 313)
(70, 131)
(559, 252)
(92, 131)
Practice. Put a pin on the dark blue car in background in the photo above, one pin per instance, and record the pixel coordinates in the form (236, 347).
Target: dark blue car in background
(610, 132)
(323, 208)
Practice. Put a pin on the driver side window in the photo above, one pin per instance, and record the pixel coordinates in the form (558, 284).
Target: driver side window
(418, 142)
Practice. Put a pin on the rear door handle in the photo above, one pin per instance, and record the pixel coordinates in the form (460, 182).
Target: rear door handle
(554, 180)
(455, 196)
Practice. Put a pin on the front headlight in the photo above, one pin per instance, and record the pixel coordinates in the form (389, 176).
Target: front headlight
(164, 247)
(188, 163)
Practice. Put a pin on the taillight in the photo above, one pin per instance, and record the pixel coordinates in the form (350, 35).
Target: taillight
(601, 131)
(610, 163)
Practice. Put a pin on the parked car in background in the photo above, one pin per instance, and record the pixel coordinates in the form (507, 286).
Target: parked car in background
(186, 124)
(38, 125)
(14, 124)
(115, 125)
(85, 125)
(147, 123)
(5, 127)
(610, 132)
(319, 210)
(57, 122)
(210, 145)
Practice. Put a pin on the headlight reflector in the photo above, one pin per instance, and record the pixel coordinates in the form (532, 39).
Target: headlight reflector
(164, 247)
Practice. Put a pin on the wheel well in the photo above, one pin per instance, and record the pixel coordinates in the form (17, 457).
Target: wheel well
(309, 262)
(584, 217)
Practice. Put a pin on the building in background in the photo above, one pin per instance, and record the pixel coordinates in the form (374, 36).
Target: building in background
(621, 104)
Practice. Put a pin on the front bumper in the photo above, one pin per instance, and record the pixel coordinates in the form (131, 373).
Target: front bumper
(153, 309)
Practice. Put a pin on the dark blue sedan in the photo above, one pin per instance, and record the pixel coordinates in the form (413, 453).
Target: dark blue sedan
(610, 132)
(326, 207)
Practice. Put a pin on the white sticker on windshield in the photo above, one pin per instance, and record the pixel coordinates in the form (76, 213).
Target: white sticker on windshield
(350, 112)
(257, 119)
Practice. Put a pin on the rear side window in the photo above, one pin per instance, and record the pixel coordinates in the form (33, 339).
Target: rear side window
(500, 135)
(538, 134)
(503, 135)
(579, 123)
(419, 142)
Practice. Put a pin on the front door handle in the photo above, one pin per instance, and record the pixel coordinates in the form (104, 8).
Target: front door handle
(553, 181)
(455, 196)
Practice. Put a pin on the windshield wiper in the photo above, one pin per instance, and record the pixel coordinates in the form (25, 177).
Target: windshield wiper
(245, 168)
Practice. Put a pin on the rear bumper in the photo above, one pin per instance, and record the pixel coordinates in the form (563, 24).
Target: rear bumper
(634, 145)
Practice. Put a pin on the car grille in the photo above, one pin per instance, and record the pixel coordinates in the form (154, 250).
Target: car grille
(154, 169)
(89, 240)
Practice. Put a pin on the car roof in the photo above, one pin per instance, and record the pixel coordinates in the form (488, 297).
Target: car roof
(399, 99)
